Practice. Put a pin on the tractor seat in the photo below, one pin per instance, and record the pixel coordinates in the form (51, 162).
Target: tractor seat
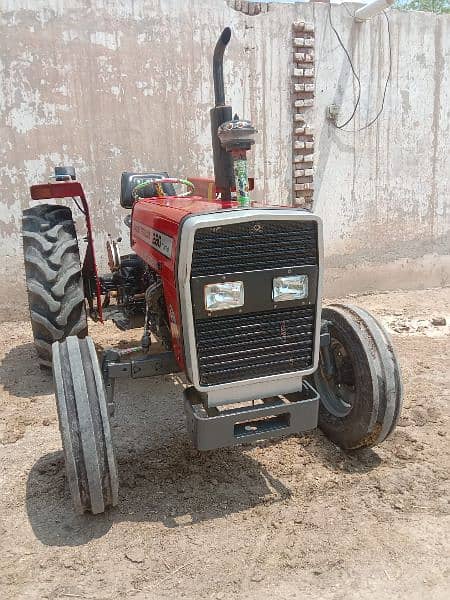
(130, 180)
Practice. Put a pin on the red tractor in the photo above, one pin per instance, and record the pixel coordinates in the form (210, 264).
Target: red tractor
(231, 289)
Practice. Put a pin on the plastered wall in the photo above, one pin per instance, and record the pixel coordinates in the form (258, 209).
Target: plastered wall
(113, 86)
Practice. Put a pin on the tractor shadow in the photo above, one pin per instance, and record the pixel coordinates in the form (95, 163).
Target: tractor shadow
(162, 477)
(20, 374)
(334, 458)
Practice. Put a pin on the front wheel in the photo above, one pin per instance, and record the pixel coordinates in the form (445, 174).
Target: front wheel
(84, 425)
(358, 379)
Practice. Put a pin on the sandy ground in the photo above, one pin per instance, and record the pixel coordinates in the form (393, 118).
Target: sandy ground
(292, 519)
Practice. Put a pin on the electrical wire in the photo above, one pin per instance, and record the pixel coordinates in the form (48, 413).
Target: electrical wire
(356, 76)
(78, 206)
(387, 78)
(352, 68)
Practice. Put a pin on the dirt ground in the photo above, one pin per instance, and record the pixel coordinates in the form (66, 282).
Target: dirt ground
(297, 518)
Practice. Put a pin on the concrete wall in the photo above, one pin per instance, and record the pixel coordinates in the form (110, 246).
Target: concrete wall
(109, 86)
(384, 192)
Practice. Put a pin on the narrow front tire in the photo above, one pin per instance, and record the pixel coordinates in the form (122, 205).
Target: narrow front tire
(358, 379)
(84, 425)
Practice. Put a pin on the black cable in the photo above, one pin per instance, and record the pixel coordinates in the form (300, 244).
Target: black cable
(78, 206)
(387, 78)
(371, 122)
(352, 68)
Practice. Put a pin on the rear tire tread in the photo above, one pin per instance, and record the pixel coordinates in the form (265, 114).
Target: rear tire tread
(53, 277)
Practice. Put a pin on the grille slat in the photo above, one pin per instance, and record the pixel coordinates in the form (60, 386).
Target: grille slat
(235, 366)
(239, 346)
(226, 266)
(253, 328)
(250, 372)
(253, 246)
(250, 319)
(262, 351)
(214, 246)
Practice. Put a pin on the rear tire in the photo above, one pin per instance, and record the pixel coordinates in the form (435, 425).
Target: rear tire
(84, 426)
(360, 402)
(53, 277)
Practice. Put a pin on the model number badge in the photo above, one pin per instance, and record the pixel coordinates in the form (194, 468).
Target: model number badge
(158, 240)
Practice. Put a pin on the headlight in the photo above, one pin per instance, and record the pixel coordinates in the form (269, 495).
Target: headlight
(294, 287)
(223, 295)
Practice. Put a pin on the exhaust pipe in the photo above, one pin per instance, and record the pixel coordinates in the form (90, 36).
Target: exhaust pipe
(219, 86)
(223, 162)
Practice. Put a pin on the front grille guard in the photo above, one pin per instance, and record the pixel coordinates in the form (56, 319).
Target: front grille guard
(251, 388)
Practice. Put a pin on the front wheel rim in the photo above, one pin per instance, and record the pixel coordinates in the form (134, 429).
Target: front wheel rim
(338, 392)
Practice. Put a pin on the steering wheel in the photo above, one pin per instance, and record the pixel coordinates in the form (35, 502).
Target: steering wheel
(159, 189)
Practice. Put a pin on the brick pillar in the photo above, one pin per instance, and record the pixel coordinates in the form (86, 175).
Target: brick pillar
(303, 100)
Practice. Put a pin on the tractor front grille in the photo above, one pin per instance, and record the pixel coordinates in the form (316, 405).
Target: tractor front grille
(261, 339)
(247, 346)
(253, 246)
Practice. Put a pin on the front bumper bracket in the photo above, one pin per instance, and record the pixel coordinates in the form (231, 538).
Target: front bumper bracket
(275, 417)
